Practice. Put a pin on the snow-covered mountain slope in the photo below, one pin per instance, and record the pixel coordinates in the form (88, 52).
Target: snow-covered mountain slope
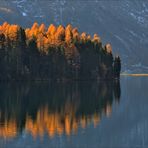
(123, 23)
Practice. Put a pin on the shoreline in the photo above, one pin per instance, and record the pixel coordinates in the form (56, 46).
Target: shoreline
(135, 74)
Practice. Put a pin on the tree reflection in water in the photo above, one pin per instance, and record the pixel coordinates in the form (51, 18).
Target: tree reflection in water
(54, 108)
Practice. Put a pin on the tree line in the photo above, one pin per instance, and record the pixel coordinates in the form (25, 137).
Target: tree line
(56, 53)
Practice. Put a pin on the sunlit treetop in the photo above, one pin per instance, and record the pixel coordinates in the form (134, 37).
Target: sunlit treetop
(42, 28)
(108, 48)
(83, 37)
(52, 36)
(96, 38)
(35, 26)
(51, 30)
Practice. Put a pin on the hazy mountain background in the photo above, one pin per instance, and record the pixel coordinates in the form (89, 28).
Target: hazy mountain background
(123, 23)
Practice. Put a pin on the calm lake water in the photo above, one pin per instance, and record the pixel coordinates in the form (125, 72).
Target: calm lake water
(73, 115)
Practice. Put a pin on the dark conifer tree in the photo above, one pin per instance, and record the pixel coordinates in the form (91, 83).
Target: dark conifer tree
(117, 67)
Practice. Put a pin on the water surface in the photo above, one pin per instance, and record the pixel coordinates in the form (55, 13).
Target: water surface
(84, 114)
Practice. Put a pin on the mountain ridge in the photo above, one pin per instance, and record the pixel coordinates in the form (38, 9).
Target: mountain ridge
(122, 23)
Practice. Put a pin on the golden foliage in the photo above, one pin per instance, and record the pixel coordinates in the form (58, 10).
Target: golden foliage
(53, 36)
(96, 39)
(108, 48)
(12, 32)
(51, 30)
(35, 26)
(84, 37)
(5, 24)
(75, 34)
(42, 28)
(89, 38)
(60, 33)
(68, 34)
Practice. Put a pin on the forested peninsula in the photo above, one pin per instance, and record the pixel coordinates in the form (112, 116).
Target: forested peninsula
(54, 53)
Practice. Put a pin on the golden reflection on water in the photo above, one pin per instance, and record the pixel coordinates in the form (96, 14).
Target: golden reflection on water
(67, 118)
(56, 123)
(52, 123)
(9, 129)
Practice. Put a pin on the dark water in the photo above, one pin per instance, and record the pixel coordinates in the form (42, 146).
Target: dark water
(84, 114)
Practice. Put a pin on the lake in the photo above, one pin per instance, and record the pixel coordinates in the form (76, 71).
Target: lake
(75, 114)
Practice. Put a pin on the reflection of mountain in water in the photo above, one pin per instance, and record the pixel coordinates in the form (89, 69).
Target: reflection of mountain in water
(59, 108)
